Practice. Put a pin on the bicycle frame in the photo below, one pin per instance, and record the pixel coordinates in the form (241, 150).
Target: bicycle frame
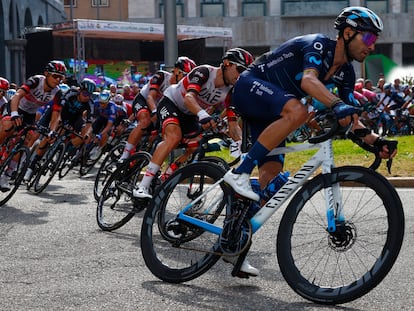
(322, 158)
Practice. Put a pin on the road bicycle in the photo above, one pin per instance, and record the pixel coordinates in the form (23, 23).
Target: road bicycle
(116, 204)
(14, 157)
(46, 168)
(339, 235)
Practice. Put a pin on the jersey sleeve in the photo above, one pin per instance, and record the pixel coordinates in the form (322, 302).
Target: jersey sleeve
(196, 79)
(156, 81)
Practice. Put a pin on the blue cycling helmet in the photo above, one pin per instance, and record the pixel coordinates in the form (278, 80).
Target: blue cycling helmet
(359, 18)
(87, 85)
(104, 96)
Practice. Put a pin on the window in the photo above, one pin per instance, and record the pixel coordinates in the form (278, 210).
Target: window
(378, 6)
(179, 8)
(409, 6)
(211, 8)
(253, 8)
(67, 3)
(95, 3)
(313, 7)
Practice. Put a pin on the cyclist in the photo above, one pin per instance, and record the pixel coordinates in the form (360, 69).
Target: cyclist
(105, 115)
(75, 110)
(268, 93)
(37, 91)
(4, 94)
(145, 103)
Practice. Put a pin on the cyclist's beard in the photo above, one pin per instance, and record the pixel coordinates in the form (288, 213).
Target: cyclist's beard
(347, 42)
(224, 78)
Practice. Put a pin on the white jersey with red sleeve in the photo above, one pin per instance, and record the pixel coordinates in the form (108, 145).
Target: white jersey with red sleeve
(202, 80)
(160, 81)
(35, 94)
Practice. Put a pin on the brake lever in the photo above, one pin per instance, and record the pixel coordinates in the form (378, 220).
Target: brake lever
(392, 145)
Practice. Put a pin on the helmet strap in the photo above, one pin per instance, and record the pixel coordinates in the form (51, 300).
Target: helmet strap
(223, 67)
(346, 43)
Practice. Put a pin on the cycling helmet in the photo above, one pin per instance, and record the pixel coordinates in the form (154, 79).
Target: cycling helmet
(56, 67)
(387, 86)
(10, 93)
(4, 84)
(118, 98)
(64, 87)
(87, 85)
(360, 18)
(185, 64)
(104, 96)
(239, 56)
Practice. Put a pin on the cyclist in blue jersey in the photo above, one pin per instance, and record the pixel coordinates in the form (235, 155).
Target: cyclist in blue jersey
(268, 93)
(105, 115)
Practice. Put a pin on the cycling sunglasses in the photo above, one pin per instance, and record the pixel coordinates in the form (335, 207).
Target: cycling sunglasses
(85, 93)
(239, 68)
(57, 76)
(368, 38)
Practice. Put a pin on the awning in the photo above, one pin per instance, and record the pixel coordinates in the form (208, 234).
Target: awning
(140, 31)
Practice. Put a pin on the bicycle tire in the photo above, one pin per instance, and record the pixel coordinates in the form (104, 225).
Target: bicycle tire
(21, 166)
(115, 205)
(50, 166)
(86, 164)
(330, 269)
(107, 167)
(162, 237)
(68, 163)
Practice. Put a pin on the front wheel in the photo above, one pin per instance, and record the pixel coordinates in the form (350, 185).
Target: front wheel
(116, 205)
(176, 251)
(49, 167)
(13, 170)
(341, 266)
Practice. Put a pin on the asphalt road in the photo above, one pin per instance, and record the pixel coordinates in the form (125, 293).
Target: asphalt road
(53, 256)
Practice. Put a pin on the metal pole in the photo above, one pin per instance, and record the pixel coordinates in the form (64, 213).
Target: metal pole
(170, 34)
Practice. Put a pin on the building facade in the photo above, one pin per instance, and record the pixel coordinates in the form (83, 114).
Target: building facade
(15, 16)
(260, 25)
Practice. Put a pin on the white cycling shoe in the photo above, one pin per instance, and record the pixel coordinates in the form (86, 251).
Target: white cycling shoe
(241, 184)
(246, 268)
(141, 193)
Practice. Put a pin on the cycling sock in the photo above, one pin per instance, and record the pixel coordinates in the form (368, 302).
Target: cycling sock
(152, 170)
(257, 152)
(127, 151)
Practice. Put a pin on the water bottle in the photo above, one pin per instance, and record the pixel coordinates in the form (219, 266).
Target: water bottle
(274, 185)
(254, 206)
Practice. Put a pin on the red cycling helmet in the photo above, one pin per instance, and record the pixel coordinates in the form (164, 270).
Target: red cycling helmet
(4, 84)
(56, 67)
(239, 56)
(185, 64)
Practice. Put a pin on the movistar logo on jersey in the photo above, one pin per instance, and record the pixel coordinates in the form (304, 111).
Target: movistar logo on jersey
(314, 60)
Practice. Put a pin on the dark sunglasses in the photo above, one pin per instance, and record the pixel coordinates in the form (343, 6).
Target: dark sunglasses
(368, 38)
(56, 76)
(239, 68)
(85, 93)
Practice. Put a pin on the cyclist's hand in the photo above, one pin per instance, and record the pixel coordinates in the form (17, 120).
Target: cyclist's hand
(387, 148)
(52, 136)
(345, 113)
(16, 118)
(208, 123)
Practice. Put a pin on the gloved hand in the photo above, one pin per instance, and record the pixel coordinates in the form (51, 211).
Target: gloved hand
(343, 110)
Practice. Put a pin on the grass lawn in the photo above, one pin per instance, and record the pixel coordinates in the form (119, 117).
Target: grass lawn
(348, 153)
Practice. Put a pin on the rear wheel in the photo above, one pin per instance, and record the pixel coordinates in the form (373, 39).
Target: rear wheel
(176, 251)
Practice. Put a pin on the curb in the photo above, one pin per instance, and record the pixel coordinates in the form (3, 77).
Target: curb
(402, 182)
